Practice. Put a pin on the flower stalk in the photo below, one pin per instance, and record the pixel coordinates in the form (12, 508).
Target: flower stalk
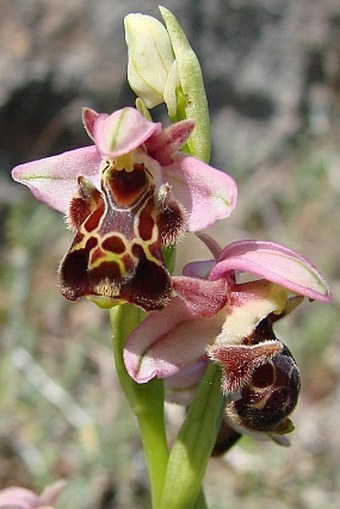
(146, 401)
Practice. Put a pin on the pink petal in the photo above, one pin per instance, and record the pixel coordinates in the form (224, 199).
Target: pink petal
(17, 497)
(51, 493)
(162, 146)
(213, 246)
(122, 132)
(22, 498)
(168, 341)
(89, 118)
(206, 193)
(203, 298)
(203, 268)
(53, 180)
(275, 263)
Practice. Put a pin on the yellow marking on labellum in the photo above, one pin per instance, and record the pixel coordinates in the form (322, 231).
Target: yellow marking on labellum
(124, 162)
(259, 405)
(108, 256)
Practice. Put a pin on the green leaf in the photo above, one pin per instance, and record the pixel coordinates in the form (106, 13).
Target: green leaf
(191, 451)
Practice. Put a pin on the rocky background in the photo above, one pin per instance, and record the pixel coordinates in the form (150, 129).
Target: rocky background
(272, 73)
(271, 68)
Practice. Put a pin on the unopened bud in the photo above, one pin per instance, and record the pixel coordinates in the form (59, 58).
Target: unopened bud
(150, 58)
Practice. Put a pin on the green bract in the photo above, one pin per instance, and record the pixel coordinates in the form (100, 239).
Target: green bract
(191, 87)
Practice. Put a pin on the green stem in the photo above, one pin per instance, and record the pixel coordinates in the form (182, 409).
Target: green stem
(200, 503)
(151, 424)
(191, 451)
(145, 400)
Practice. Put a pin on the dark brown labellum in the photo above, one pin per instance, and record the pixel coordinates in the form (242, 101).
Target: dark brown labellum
(271, 394)
(260, 380)
(116, 255)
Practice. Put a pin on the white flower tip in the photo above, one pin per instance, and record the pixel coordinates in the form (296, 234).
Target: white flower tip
(150, 58)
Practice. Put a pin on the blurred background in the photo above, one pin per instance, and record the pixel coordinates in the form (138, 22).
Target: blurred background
(272, 73)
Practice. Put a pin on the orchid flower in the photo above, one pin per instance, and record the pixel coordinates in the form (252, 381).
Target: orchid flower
(22, 498)
(126, 197)
(230, 321)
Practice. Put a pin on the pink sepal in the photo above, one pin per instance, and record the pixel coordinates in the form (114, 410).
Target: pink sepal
(168, 341)
(22, 498)
(274, 263)
(200, 269)
(54, 180)
(162, 146)
(121, 132)
(206, 193)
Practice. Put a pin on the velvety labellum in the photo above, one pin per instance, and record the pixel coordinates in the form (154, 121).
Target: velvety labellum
(261, 380)
(271, 394)
(116, 254)
(264, 403)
